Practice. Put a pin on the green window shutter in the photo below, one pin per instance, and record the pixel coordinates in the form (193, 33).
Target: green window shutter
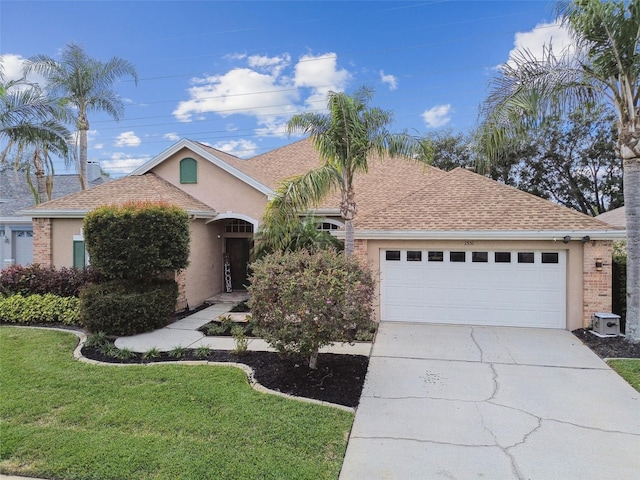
(188, 170)
(79, 256)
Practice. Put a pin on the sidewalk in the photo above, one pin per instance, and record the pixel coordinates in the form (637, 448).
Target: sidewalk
(184, 333)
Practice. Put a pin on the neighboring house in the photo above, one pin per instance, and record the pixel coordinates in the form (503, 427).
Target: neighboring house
(16, 230)
(450, 247)
(615, 217)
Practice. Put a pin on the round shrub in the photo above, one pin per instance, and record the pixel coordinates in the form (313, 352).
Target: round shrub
(302, 301)
(120, 308)
(137, 240)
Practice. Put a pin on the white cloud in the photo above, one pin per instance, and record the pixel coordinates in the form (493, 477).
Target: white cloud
(239, 148)
(543, 35)
(127, 139)
(122, 163)
(270, 89)
(91, 136)
(437, 116)
(172, 136)
(390, 80)
(98, 146)
(12, 69)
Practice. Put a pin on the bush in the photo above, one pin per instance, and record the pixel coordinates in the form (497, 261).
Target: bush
(137, 240)
(303, 301)
(35, 279)
(46, 308)
(126, 308)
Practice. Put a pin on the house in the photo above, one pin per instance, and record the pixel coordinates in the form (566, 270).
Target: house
(615, 217)
(447, 247)
(16, 231)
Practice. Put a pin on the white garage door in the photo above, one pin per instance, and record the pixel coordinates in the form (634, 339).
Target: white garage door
(508, 288)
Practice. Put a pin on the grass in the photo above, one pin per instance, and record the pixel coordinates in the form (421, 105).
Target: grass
(629, 370)
(60, 418)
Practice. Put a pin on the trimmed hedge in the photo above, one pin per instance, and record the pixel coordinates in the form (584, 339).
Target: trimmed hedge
(46, 308)
(35, 279)
(137, 240)
(120, 308)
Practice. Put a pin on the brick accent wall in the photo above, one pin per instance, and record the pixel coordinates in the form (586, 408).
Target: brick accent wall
(42, 248)
(596, 284)
(361, 251)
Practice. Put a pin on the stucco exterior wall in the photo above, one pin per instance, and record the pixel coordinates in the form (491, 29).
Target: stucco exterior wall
(573, 250)
(62, 232)
(215, 187)
(204, 274)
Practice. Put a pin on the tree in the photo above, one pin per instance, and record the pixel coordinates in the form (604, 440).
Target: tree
(345, 138)
(86, 84)
(604, 68)
(32, 125)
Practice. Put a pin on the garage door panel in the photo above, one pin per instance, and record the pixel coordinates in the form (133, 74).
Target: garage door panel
(488, 293)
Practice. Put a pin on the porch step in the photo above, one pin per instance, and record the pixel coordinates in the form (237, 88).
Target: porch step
(232, 297)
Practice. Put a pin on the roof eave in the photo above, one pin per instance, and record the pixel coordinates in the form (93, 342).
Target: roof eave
(82, 213)
(554, 235)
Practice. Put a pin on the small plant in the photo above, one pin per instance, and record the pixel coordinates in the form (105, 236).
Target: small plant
(215, 329)
(153, 352)
(241, 307)
(202, 352)
(240, 337)
(126, 353)
(109, 350)
(96, 340)
(227, 322)
(178, 352)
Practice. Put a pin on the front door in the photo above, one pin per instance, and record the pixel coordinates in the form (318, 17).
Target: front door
(238, 251)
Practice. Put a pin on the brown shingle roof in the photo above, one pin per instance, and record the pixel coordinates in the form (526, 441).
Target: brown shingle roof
(615, 217)
(462, 200)
(387, 180)
(147, 187)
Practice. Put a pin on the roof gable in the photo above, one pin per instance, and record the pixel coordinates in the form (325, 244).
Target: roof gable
(225, 161)
(462, 200)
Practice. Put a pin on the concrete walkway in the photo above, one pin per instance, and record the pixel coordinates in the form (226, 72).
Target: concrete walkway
(184, 333)
(462, 402)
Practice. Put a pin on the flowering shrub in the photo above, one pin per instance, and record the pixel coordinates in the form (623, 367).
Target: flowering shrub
(302, 301)
(35, 279)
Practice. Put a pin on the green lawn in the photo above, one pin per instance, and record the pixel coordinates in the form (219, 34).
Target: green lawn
(629, 370)
(61, 418)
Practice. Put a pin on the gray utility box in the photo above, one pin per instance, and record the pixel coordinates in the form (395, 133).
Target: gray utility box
(606, 323)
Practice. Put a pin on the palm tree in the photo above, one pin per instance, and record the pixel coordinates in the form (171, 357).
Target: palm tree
(31, 124)
(605, 67)
(345, 138)
(86, 84)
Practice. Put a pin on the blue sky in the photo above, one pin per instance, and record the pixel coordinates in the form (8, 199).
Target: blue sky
(230, 74)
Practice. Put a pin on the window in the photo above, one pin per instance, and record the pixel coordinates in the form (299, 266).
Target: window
(436, 256)
(188, 170)
(503, 257)
(79, 255)
(525, 257)
(549, 258)
(238, 226)
(414, 256)
(458, 257)
(480, 257)
(392, 255)
(327, 227)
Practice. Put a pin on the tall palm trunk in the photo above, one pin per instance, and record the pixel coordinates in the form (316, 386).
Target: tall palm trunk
(348, 210)
(632, 212)
(83, 128)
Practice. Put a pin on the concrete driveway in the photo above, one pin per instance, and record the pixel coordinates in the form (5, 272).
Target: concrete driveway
(463, 402)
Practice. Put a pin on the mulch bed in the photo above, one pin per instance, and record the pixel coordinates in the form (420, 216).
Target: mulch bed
(609, 347)
(338, 378)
